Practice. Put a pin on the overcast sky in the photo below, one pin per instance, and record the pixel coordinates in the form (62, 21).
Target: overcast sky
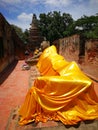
(20, 12)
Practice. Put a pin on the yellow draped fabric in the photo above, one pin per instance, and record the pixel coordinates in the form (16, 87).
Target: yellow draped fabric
(62, 92)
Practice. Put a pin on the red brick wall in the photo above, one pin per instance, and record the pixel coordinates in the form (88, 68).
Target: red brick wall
(92, 50)
(10, 44)
(69, 48)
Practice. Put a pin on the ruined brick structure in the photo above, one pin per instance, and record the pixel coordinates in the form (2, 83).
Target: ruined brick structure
(78, 49)
(68, 46)
(35, 38)
(11, 47)
(92, 50)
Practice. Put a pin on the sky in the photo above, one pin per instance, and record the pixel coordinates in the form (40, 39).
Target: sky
(20, 12)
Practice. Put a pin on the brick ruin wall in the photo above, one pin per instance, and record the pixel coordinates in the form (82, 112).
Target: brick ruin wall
(91, 48)
(69, 48)
(10, 44)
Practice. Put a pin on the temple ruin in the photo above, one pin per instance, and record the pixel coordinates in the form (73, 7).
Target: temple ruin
(11, 46)
(35, 37)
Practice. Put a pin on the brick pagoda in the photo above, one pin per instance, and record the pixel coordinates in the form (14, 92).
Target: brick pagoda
(35, 38)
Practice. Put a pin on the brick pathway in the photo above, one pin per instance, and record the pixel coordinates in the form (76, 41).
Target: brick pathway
(13, 88)
(12, 93)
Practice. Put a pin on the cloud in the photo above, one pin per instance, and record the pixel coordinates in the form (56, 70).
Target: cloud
(22, 25)
(57, 3)
(23, 20)
(48, 2)
(19, 12)
(87, 8)
(18, 6)
(18, 1)
(93, 1)
(93, 4)
(11, 1)
(24, 17)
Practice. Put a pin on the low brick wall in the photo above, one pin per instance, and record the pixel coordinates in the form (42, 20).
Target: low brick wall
(69, 48)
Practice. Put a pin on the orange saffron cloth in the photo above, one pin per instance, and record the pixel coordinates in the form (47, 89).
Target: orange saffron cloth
(62, 92)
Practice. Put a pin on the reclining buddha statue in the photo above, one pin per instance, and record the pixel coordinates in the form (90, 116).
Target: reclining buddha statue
(62, 92)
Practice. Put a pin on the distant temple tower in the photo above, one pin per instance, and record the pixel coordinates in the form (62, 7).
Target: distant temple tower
(35, 38)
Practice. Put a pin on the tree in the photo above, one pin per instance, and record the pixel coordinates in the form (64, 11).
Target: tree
(22, 35)
(89, 26)
(18, 30)
(25, 37)
(53, 24)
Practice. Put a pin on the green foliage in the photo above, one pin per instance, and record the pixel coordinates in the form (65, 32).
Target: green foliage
(18, 30)
(53, 24)
(25, 37)
(70, 30)
(89, 26)
(22, 35)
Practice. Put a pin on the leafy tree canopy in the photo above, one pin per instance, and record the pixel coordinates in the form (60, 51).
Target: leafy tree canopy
(22, 35)
(88, 26)
(55, 25)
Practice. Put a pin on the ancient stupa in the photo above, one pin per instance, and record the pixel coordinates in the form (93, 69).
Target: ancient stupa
(35, 38)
